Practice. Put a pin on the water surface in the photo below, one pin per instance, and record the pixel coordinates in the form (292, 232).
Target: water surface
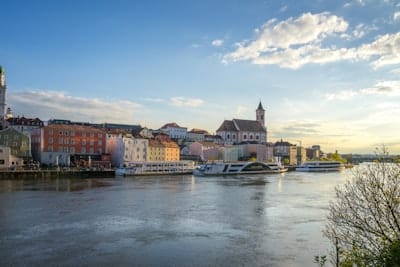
(261, 220)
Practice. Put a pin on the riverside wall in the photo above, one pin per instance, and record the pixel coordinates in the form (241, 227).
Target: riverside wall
(54, 174)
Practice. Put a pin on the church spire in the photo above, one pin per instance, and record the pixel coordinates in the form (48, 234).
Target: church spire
(2, 97)
(2, 78)
(260, 106)
(260, 114)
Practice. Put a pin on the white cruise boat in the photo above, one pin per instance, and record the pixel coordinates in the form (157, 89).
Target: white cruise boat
(230, 168)
(156, 168)
(321, 166)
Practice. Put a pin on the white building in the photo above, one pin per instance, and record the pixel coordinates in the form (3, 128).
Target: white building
(196, 135)
(7, 160)
(125, 149)
(174, 131)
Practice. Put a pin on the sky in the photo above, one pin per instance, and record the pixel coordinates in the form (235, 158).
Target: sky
(327, 72)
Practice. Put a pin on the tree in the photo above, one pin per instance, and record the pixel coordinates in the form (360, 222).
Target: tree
(364, 219)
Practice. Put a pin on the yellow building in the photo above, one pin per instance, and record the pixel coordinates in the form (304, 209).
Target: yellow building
(156, 151)
(163, 151)
(172, 151)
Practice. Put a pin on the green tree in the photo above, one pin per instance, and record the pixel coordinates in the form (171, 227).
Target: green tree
(364, 219)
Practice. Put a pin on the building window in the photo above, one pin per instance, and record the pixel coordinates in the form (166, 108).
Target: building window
(66, 149)
(83, 150)
(60, 133)
(100, 151)
(72, 133)
(99, 135)
(66, 133)
(91, 134)
(233, 136)
(83, 134)
(257, 137)
(228, 136)
(60, 149)
(60, 141)
(51, 132)
(91, 150)
(72, 150)
(51, 140)
(50, 149)
(66, 141)
(251, 137)
(100, 143)
(91, 142)
(83, 142)
(244, 136)
(72, 141)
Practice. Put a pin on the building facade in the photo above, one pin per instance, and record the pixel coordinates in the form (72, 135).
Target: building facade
(286, 152)
(125, 148)
(163, 150)
(24, 125)
(237, 131)
(7, 160)
(61, 144)
(205, 150)
(174, 131)
(19, 143)
(196, 135)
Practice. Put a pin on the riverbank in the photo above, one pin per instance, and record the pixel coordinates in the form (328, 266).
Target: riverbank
(55, 174)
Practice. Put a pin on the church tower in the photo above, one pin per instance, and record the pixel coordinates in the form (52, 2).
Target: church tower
(3, 88)
(260, 114)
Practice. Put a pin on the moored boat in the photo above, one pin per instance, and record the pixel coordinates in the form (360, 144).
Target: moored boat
(156, 168)
(321, 166)
(233, 168)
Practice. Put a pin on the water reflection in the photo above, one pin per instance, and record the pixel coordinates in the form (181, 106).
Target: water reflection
(261, 220)
(66, 185)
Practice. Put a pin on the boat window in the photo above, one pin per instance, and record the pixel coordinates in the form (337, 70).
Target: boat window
(226, 167)
(256, 167)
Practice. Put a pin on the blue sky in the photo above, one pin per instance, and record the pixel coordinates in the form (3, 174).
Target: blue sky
(327, 72)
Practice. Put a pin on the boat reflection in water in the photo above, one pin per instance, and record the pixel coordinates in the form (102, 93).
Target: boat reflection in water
(230, 168)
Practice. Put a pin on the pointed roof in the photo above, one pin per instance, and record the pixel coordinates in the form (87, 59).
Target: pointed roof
(248, 125)
(227, 126)
(260, 106)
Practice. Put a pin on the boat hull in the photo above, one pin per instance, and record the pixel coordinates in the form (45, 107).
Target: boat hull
(234, 168)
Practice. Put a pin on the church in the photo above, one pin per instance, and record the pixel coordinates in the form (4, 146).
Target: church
(237, 131)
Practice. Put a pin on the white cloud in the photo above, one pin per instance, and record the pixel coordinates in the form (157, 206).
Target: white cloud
(186, 102)
(396, 16)
(385, 88)
(50, 104)
(156, 100)
(386, 49)
(341, 95)
(217, 42)
(298, 41)
(275, 36)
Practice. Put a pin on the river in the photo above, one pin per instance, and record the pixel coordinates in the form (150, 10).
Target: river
(261, 220)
